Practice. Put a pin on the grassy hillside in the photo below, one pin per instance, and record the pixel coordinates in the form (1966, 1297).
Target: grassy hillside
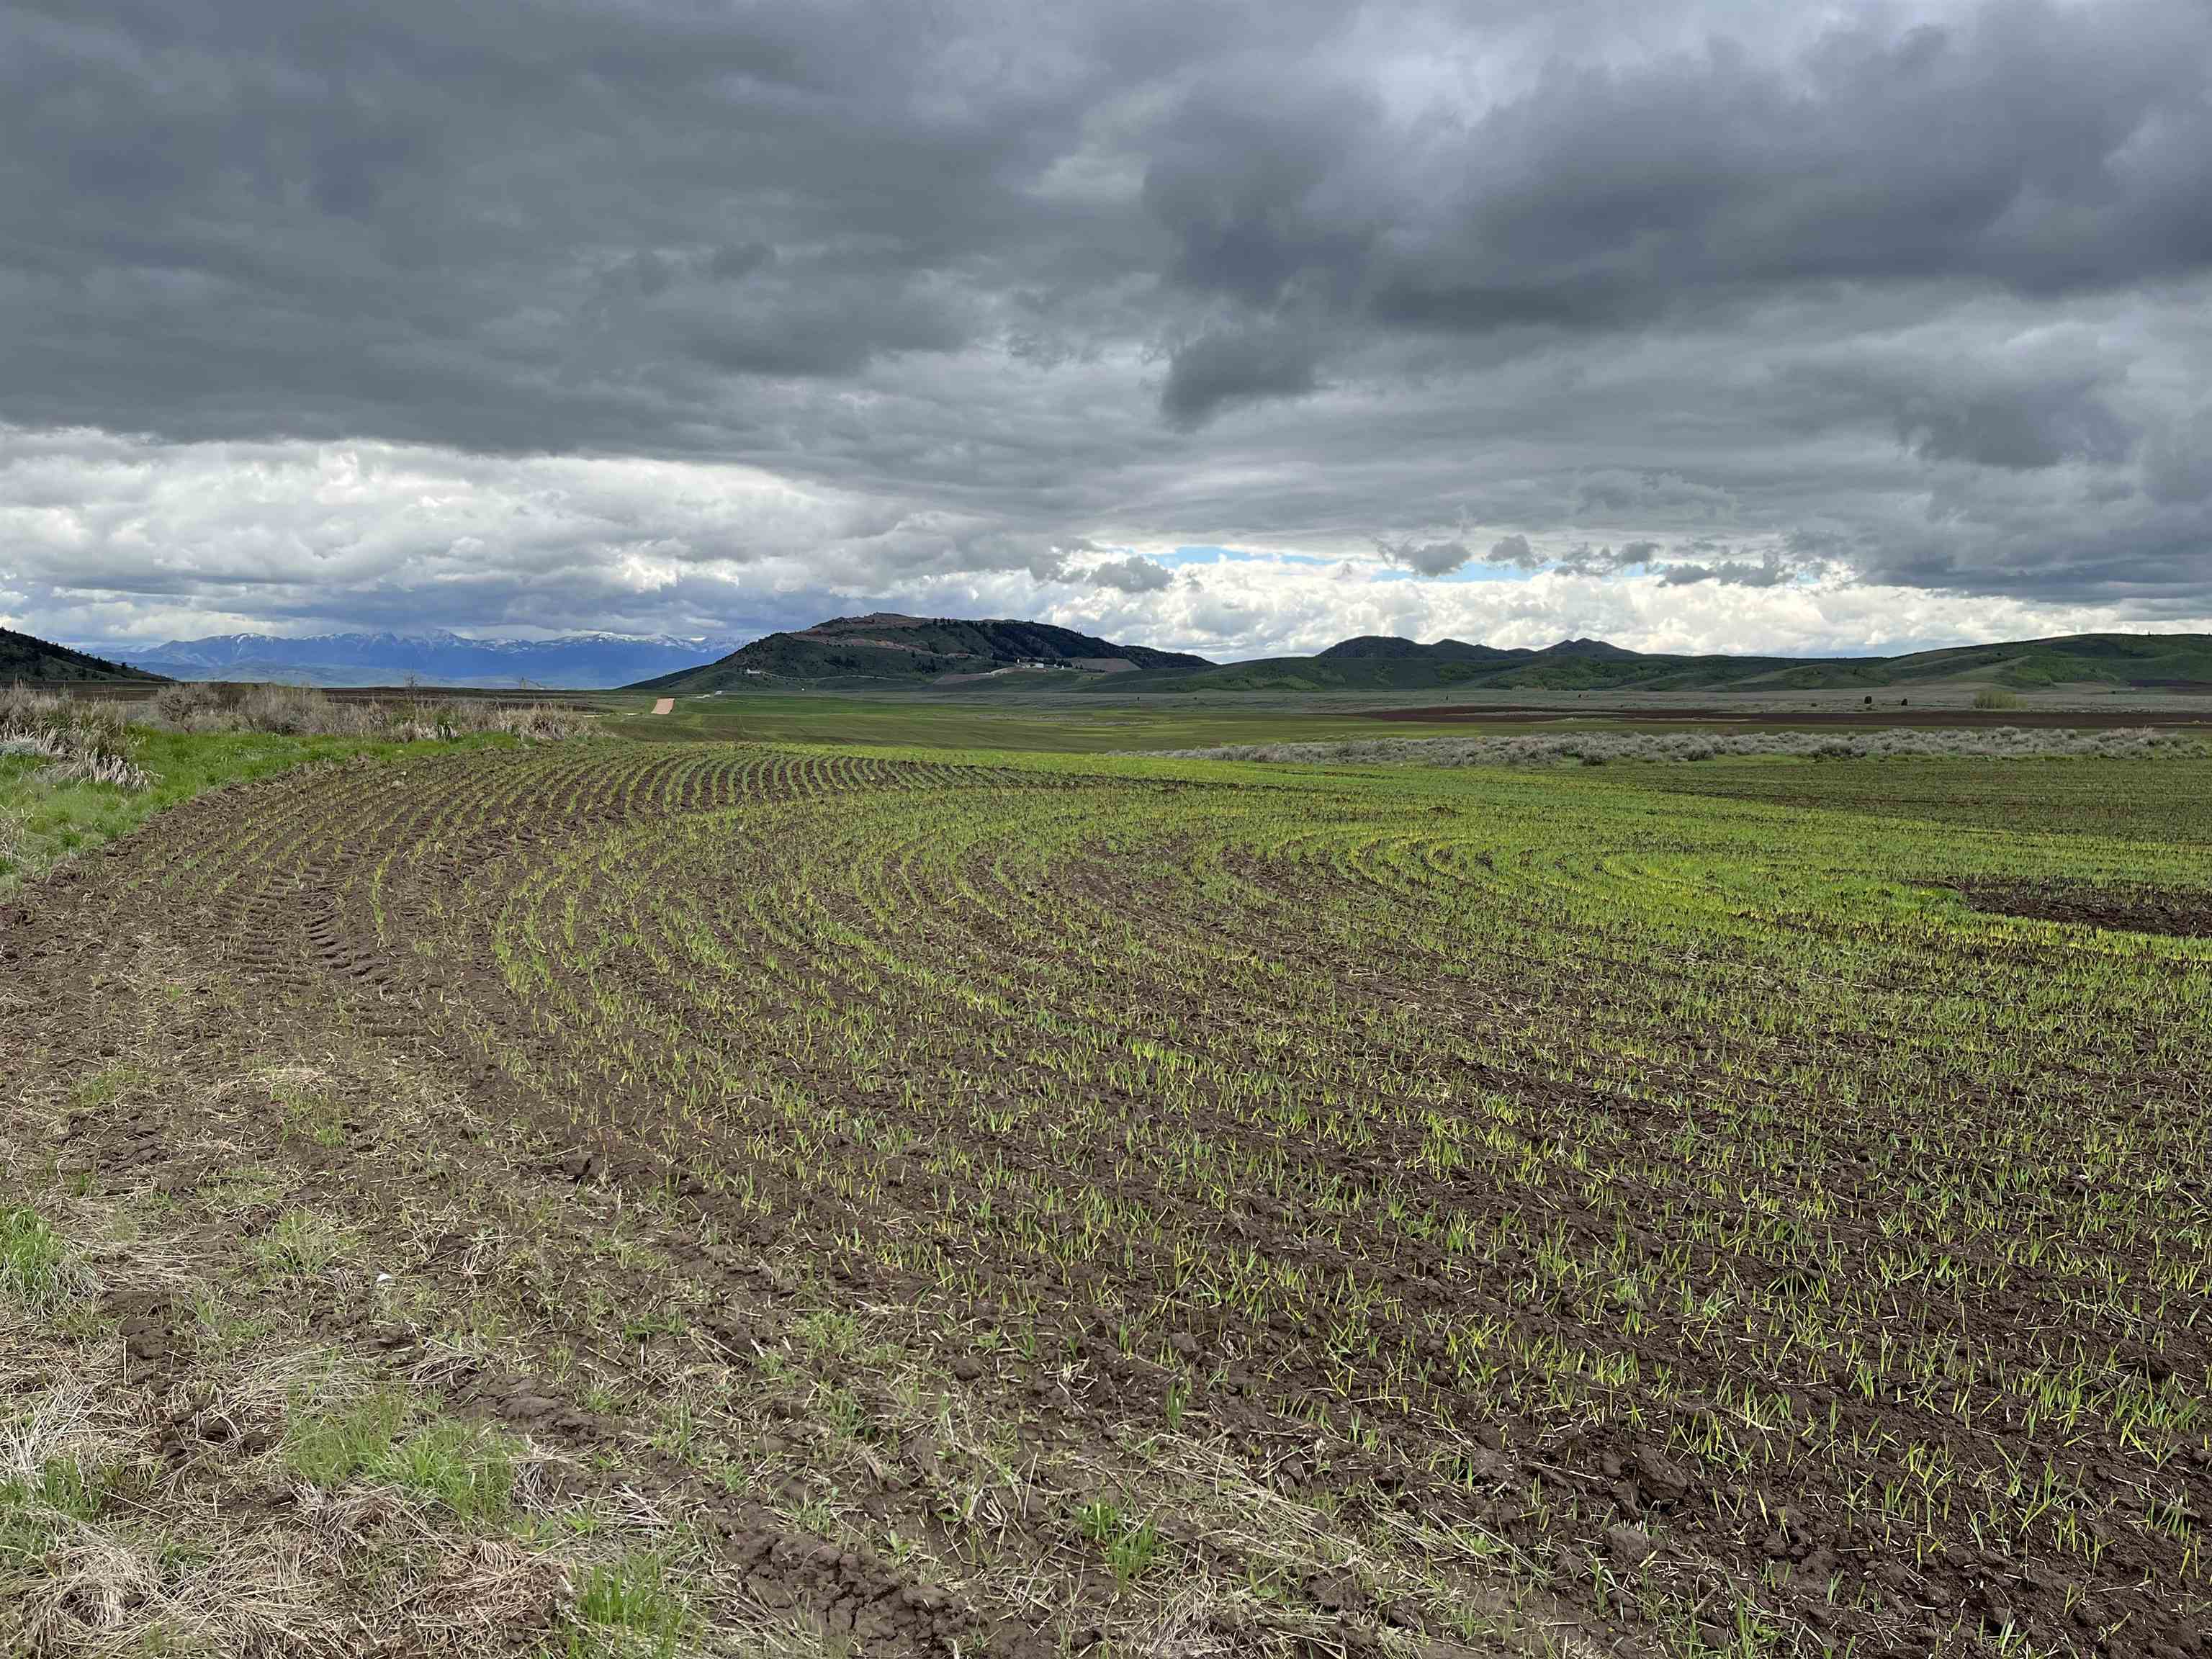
(1387, 648)
(1380, 663)
(28, 658)
(916, 651)
(1390, 665)
(2138, 659)
(881, 651)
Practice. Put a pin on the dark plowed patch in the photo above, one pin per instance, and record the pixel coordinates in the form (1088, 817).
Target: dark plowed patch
(1756, 719)
(2174, 912)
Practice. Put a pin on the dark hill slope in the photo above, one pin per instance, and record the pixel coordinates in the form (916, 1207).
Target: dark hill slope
(916, 651)
(1382, 663)
(1389, 647)
(35, 661)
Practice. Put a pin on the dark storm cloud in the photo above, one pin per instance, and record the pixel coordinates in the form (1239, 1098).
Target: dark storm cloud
(2178, 466)
(1729, 573)
(1239, 366)
(1585, 560)
(561, 224)
(2023, 414)
(1007, 297)
(1131, 575)
(1973, 542)
(2034, 147)
(1426, 558)
(2012, 433)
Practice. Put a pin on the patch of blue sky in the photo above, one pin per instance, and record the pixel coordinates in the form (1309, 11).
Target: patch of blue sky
(1475, 570)
(1481, 570)
(1203, 555)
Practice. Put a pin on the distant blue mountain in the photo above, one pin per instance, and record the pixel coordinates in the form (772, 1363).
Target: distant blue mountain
(571, 662)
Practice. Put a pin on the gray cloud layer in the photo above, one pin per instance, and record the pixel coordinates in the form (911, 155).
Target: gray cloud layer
(1686, 296)
(2034, 147)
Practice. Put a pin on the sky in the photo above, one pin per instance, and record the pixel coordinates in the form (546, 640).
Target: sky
(1238, 328)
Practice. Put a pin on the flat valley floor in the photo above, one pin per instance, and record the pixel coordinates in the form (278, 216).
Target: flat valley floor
(620, 1197)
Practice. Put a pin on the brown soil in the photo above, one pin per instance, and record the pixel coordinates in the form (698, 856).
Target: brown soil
(351, 917)
(185, 971)
(1789, 719)
(2176, 913)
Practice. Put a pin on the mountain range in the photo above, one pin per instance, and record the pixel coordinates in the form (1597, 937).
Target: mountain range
(573, 661)
(890, 653)
(886, 651)
(1383, 663)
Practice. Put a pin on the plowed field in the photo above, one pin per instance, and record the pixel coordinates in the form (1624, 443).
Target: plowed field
(1029, 1205)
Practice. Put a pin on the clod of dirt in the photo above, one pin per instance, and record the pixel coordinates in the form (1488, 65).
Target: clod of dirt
(1487, 1465)
(1336, 1592)
(1664, 1478)
(147, 1321)
(1630, 1546)
(1995, 1609)
(582, 1166)
(531, 1404)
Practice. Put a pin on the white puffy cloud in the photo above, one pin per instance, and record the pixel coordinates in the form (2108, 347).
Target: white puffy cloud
(113, 539)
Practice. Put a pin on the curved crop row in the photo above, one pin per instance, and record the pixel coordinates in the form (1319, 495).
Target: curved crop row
(1557, 1157)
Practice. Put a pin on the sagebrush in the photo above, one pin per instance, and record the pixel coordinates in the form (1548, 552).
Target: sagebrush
(84, 741)
(302, 711)
(1604, 748)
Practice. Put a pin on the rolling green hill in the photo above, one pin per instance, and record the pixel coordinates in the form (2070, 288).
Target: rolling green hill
(882, 652)
(917, 651)
(35, 661)
(1384, 664)
(2135, 660)
(1379, 663)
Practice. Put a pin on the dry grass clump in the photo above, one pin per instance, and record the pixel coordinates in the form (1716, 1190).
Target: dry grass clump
(258, 1495)
(536, 721)
(181, 706)
(90, 738)
(1604, 748)
(85, 742)
(93, 740)
(302, 711)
